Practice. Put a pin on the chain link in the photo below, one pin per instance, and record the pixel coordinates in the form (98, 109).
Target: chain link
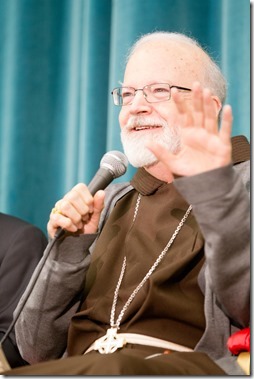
(149, 273)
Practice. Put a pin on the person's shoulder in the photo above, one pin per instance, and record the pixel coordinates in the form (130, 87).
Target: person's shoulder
(10, 224)
(13, 221)
(117, 188)
(241, 158)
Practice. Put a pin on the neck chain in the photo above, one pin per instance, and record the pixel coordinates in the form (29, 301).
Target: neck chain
(113, 341)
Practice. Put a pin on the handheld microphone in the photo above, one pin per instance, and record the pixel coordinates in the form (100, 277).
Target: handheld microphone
(113, 164)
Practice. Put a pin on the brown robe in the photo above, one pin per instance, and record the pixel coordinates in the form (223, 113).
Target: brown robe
(170, 304)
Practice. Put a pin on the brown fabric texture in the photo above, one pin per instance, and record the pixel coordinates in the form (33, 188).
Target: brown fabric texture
(125, 362)
(163, 307)
(240, 149)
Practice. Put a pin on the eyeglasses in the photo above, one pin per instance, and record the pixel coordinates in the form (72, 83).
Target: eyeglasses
(153, 93)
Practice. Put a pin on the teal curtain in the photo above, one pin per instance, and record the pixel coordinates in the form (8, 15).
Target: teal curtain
(59, 60)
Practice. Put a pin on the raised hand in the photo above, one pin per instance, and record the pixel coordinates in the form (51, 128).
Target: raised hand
(78, 211)
(205, 146)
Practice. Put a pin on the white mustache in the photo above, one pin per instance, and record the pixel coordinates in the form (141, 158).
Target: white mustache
(145, 121)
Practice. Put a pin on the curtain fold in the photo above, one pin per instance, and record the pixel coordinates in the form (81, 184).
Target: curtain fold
(59, 61)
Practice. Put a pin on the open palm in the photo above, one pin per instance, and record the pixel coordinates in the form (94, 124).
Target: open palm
(204, 146)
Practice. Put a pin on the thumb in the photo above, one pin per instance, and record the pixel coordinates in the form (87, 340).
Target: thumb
(98, 205)
(161, 153)
(98, 202)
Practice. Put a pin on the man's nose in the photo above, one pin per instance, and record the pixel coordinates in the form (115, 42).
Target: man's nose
(139, 103)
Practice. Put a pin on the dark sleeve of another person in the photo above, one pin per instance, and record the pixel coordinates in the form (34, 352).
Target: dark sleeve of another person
(21, 248)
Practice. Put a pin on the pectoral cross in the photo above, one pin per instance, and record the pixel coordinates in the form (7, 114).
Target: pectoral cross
(109, 343)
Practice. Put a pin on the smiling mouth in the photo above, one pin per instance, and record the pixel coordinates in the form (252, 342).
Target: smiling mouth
(145, 127)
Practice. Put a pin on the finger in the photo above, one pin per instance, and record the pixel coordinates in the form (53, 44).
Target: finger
(57, 220)
(161, 153)
(84, 195)
(184, 115)
(197, 103)
(92, 226)
(226, 124)
(76, 204)
(70, 210)
(211, 119)
(99, 198)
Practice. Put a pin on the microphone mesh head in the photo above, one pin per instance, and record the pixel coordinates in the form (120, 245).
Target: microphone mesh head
(116, 162)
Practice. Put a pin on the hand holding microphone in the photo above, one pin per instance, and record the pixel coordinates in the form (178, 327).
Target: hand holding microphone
(79, 210)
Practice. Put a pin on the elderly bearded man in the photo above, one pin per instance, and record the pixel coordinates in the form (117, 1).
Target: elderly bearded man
(159, 265)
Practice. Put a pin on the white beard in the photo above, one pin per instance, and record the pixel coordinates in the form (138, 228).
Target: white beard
(134, 143)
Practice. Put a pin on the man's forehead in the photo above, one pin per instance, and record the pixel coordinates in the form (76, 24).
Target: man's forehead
(164, 60)
(163, 53)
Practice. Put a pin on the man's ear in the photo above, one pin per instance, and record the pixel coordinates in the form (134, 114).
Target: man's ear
(217, 104)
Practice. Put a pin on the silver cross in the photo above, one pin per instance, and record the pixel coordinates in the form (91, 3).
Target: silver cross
(109, 343)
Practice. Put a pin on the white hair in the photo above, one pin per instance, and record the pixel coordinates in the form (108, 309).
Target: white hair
(213, 77)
